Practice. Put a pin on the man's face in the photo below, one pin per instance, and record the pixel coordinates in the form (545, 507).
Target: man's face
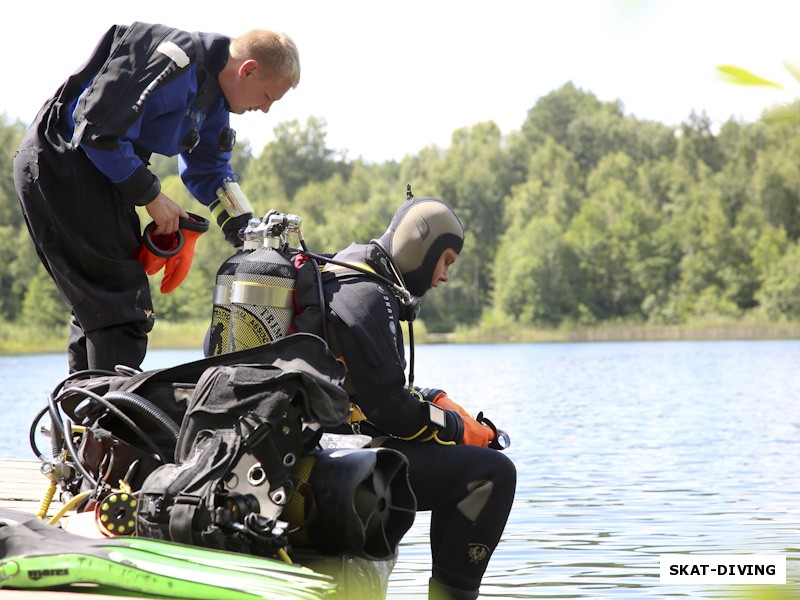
(255, 90)
(442, 269)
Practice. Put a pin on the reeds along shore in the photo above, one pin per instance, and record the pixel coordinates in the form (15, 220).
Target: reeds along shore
(189, 335)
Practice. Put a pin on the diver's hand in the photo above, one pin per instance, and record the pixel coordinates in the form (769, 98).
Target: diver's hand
(166, 214)
(475, 432)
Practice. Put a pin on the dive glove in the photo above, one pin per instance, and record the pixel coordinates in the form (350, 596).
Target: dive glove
(476, 433)
(156, 249)
(173, 252)
(177, 266)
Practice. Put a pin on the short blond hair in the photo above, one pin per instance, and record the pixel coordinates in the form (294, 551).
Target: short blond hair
(275, 51)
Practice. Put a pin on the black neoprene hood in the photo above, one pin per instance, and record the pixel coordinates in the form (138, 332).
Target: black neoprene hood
(421, 229)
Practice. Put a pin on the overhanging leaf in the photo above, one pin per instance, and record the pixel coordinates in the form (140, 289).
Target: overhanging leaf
(793, 68)
(739, 76)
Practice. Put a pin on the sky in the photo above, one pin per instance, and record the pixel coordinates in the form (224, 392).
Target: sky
(390, 78)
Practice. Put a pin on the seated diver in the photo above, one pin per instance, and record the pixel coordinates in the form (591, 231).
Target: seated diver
(454, 469)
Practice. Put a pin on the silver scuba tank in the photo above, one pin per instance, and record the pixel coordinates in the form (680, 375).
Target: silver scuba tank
(220, 330)
(262, 293)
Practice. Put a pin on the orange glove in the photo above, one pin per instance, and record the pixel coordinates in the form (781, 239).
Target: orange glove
(475, 433)
(177, 266)
(156, 249)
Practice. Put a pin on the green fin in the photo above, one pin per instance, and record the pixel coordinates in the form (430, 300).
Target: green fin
(45, 572)
(40, 556)
(143, 572)
(219, 558)
(262, 577)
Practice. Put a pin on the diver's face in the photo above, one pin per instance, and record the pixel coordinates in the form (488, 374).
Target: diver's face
(442, 270)
(253, 89)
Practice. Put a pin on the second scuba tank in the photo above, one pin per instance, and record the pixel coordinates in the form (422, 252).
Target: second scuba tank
(220, 331)
(262, 293)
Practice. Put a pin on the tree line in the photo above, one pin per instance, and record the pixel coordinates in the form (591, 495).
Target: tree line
(584, 215)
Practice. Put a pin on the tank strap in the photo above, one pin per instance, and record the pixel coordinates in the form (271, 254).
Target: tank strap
(259, 294)
(222, 294)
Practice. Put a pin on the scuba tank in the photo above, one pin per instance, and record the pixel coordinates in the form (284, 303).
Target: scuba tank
(262, 293)
(220, 330)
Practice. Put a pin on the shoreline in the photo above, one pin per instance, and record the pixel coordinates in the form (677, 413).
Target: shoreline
(625, 333)
(185, 336)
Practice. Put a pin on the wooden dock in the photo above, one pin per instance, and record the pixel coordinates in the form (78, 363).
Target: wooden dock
(22, 487)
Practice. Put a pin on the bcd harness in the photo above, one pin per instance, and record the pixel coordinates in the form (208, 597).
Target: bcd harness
(356, 416)
(428, 432)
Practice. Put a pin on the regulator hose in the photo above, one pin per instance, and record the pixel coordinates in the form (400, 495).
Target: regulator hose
(124, 418)
(323, 307)
(57, 423)
(69, 443)
(32, 433)
(146, 408)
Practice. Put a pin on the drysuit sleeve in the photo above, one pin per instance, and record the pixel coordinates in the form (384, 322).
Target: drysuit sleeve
(365, 317)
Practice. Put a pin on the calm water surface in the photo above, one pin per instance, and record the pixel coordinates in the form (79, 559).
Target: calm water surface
(624, 451)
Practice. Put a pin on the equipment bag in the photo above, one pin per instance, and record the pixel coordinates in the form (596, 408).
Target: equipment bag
(132, 420)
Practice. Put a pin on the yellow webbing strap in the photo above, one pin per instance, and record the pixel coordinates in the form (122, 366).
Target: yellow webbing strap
(330, 267)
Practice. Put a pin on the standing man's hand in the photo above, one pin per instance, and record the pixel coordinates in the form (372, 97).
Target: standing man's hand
(166, 214)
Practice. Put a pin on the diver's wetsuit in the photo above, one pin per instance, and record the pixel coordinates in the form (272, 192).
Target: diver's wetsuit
(468, 489)
(82, 169)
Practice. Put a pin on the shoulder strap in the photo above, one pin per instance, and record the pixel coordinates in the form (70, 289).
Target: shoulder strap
(357, 267)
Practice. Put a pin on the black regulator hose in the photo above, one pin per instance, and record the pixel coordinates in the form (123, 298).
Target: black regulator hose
(124, 418)
(323, 308)
(32, 434)
(57, 424)
(69, 443)
(85, 374)
(147, 409)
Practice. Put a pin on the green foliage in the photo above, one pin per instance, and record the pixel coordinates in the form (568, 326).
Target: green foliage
(540, 281)
(779, 295)
(583, 216)
(43, 308)
(299, 156)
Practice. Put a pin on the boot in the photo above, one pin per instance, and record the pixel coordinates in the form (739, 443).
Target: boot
(439, 591)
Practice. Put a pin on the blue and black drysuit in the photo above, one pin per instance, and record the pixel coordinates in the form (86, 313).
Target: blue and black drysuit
(82, 169)
(468, 489)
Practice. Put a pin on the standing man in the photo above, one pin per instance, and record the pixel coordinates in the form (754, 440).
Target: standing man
(82, 168)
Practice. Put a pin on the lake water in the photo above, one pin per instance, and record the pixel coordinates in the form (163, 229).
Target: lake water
(624, 451)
